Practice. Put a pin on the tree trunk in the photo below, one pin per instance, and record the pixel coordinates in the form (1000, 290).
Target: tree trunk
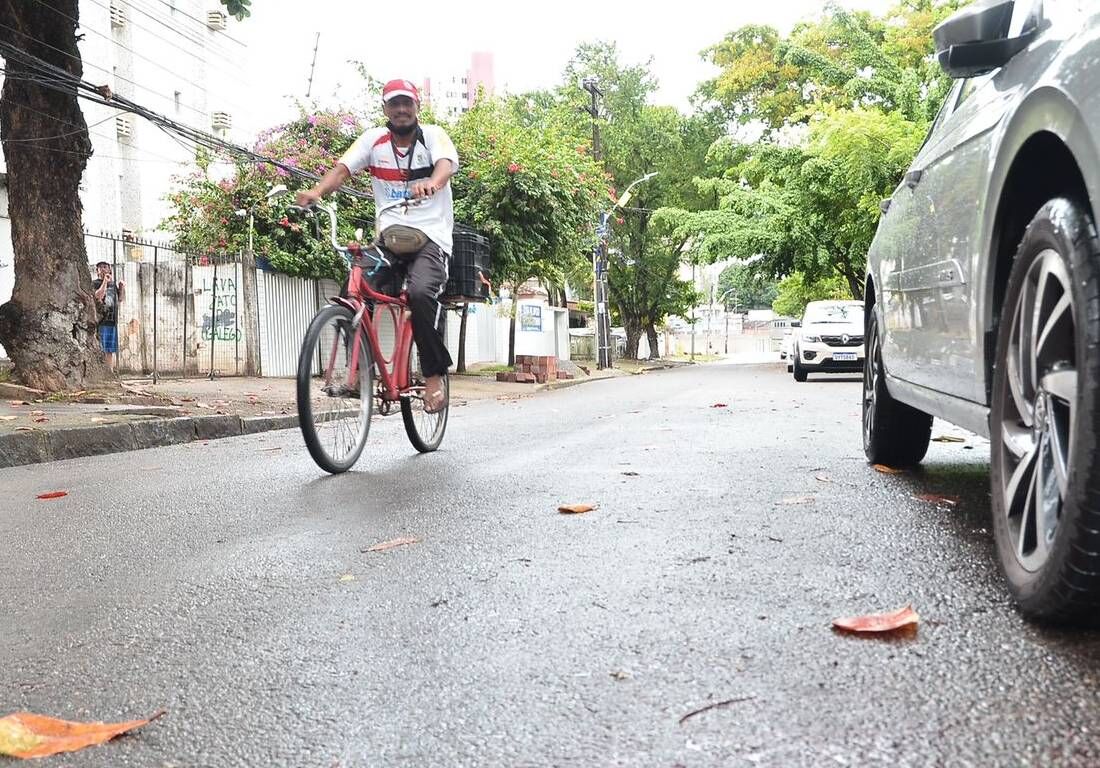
(633, 336)
(512, 331)
(49, 326)
(460, 366)
(251, 310)
(651, 335)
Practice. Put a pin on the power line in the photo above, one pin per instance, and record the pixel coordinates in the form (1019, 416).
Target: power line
(126, 48)
(58, 79)
(101, 69)
(165, 23)
(206, 45)
(202, 22)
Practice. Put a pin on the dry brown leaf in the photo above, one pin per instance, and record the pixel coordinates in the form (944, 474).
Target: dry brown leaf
(385, 546)
(888, 470)
(38, 413)
(25, 735)
(935, 498)
(18, 402)
(53, 495)
(948, 439)
(576, 509)
(719, 405)
(41, 419)
(877, 623)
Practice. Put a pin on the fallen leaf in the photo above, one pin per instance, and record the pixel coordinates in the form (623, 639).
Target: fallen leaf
(38, 413)
(24, 429)
(18, 402)
(576, 509)
(888, 470)
(798, 500)
(823, 479)
(98, 420)
(620, 675)
(719, 405)
(41, 419)
(187, 399)
(201, 405)
(630, 474)
(8, 418)
(948, 439)
(878, 622)
(25, 735)
(935, 498)
(53, 495)
(347, 577)
(385, 546)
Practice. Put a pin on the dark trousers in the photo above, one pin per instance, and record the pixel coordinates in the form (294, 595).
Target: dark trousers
(425, 274)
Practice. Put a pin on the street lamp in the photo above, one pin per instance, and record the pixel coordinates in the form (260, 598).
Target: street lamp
(599, 269)
(276, 191)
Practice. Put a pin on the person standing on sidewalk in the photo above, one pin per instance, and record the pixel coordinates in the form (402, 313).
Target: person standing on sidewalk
(108, 294)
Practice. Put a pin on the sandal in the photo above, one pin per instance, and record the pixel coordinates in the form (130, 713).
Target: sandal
(434, 401)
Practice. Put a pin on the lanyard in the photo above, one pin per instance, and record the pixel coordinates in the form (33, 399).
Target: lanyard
(397, 161)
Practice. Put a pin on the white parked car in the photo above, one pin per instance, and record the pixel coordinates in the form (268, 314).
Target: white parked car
(830, 339)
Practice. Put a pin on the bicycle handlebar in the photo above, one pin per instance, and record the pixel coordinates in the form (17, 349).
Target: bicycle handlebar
(330, 210)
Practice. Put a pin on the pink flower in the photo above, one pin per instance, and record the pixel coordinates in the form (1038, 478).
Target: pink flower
(513, 168)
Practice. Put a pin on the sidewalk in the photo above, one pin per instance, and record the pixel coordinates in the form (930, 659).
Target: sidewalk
(135, 413)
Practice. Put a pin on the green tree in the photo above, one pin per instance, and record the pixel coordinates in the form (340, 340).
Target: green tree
(795, 292)
(746, 288)
(529, 186)
(639, 138)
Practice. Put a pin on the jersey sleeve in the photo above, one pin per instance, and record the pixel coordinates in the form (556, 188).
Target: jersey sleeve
(358, 154)
(440, 146)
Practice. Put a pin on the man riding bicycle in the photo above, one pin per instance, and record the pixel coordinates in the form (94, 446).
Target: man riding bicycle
(408, 160)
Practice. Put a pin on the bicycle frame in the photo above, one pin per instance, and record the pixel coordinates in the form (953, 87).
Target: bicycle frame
(360, 293)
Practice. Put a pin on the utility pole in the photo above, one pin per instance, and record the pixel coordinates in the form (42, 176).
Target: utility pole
(313, 66)
(599, 253)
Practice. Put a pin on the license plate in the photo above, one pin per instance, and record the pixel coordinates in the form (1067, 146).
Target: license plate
(844, 356)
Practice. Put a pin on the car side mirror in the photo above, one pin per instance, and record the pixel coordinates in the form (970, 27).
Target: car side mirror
(976, 40)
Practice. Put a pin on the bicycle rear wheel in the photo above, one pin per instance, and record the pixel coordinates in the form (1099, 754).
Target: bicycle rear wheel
(334, 411)
(425, 430)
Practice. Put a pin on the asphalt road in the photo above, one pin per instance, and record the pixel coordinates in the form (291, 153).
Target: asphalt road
(226, 583)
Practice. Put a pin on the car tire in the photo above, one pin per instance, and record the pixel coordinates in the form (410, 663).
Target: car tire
(1045, 463)
(894, 434)
(800, 373)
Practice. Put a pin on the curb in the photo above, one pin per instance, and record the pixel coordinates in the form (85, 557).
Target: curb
(22, 448)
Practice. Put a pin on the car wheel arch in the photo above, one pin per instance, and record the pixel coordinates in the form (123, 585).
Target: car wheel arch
(1044, 153)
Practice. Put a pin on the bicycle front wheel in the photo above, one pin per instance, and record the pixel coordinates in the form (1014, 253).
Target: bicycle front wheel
(334, 402)
(425, 430)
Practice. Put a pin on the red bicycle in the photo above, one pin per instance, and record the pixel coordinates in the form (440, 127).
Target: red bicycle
(342, 353)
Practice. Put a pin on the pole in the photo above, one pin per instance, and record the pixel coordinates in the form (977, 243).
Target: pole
(726, 312)
(213, 317)
(236, 315)
(693, 315)
(156, 262)
(316, 44)
(710, 314)
(187, 296)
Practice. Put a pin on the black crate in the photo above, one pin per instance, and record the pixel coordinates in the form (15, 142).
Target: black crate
(470, 262)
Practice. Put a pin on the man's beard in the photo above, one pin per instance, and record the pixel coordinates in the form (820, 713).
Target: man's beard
(403, 132)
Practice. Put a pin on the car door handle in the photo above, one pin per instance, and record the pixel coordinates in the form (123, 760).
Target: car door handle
(913, 178)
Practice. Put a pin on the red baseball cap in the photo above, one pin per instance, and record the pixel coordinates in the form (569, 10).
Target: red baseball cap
(400, 88)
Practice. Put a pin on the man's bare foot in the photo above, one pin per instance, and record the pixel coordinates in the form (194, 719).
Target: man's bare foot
(434, 396)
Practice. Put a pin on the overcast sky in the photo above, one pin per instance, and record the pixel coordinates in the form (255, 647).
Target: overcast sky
(531, 42)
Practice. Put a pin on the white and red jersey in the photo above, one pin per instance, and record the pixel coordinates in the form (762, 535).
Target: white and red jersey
(393, 173)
